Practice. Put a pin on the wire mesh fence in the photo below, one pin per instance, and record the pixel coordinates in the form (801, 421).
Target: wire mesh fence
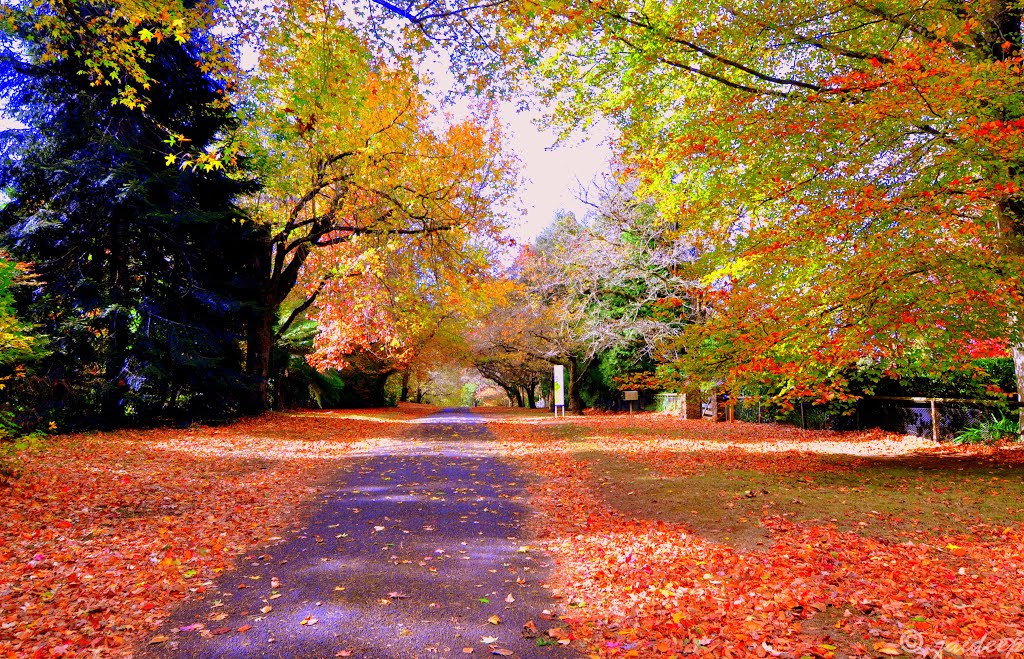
(939, 418)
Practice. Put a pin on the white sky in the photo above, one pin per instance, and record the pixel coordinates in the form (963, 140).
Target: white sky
(554, 173)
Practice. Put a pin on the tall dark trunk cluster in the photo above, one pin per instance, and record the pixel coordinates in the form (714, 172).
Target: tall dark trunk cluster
(576, 369)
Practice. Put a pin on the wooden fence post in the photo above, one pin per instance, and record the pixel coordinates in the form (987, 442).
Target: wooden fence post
(935, 421)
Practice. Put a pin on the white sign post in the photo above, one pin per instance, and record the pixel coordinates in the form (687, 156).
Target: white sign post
(559, 388)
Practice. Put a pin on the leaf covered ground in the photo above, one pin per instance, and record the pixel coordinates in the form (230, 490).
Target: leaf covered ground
(679, 538)
(672, 538)
(104, 532)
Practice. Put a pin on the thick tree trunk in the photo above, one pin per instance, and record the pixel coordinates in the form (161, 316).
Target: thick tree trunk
(406, 376)
(259, 345)
(531, 394)
(378, 395)
(515, 397)
(260, 329)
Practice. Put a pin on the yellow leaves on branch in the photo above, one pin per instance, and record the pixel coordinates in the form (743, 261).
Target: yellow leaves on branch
(114, 42)
(401, 207)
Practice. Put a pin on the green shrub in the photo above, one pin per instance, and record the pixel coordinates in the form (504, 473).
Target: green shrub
(989, 432)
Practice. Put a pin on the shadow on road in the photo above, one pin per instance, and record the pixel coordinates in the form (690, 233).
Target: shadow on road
(413, 546)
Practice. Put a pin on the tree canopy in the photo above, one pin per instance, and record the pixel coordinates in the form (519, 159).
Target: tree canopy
(842, 177)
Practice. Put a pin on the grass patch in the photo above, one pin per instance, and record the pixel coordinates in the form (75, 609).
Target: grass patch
(887, 498)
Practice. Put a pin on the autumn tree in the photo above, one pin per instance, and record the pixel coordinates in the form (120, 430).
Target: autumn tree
(535, 319)
(355, 169)
(17, 342)
(517, 373)
(632, 274)
(498, 349)
(609, 293)
(402, 308)
(849, 171)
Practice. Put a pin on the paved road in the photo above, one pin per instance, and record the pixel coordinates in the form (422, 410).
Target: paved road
(413, 547)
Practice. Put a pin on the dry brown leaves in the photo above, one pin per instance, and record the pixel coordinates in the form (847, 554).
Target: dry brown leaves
(104, 532)
(645, 588)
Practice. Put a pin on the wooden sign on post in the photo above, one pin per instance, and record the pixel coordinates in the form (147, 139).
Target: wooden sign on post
(631, 396)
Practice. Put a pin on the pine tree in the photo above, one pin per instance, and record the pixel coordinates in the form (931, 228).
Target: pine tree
(145, 267)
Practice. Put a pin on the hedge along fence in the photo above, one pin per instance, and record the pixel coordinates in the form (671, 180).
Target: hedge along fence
(938, 418)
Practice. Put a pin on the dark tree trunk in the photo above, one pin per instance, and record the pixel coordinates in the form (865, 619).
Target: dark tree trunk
(257, 360)
(378, 396)
(515, 397)
(1018, 367)
(406, 376)
(575, 375)
(260, 331)
(531, 394)
(115, 387)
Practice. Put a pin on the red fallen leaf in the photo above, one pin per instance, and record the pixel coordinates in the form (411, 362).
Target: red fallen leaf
(243, 629)
(343, 653)
(242, 585)
(220, 630)
(148, 606)
(76, 474)
(902, 567)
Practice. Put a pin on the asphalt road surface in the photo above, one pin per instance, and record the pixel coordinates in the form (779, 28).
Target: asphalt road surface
(413, 547)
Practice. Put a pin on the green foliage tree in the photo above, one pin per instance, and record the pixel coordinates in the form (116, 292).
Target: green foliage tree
(17, 343)
(145, 270)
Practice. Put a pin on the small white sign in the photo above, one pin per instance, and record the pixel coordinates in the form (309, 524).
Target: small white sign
(559, 385)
